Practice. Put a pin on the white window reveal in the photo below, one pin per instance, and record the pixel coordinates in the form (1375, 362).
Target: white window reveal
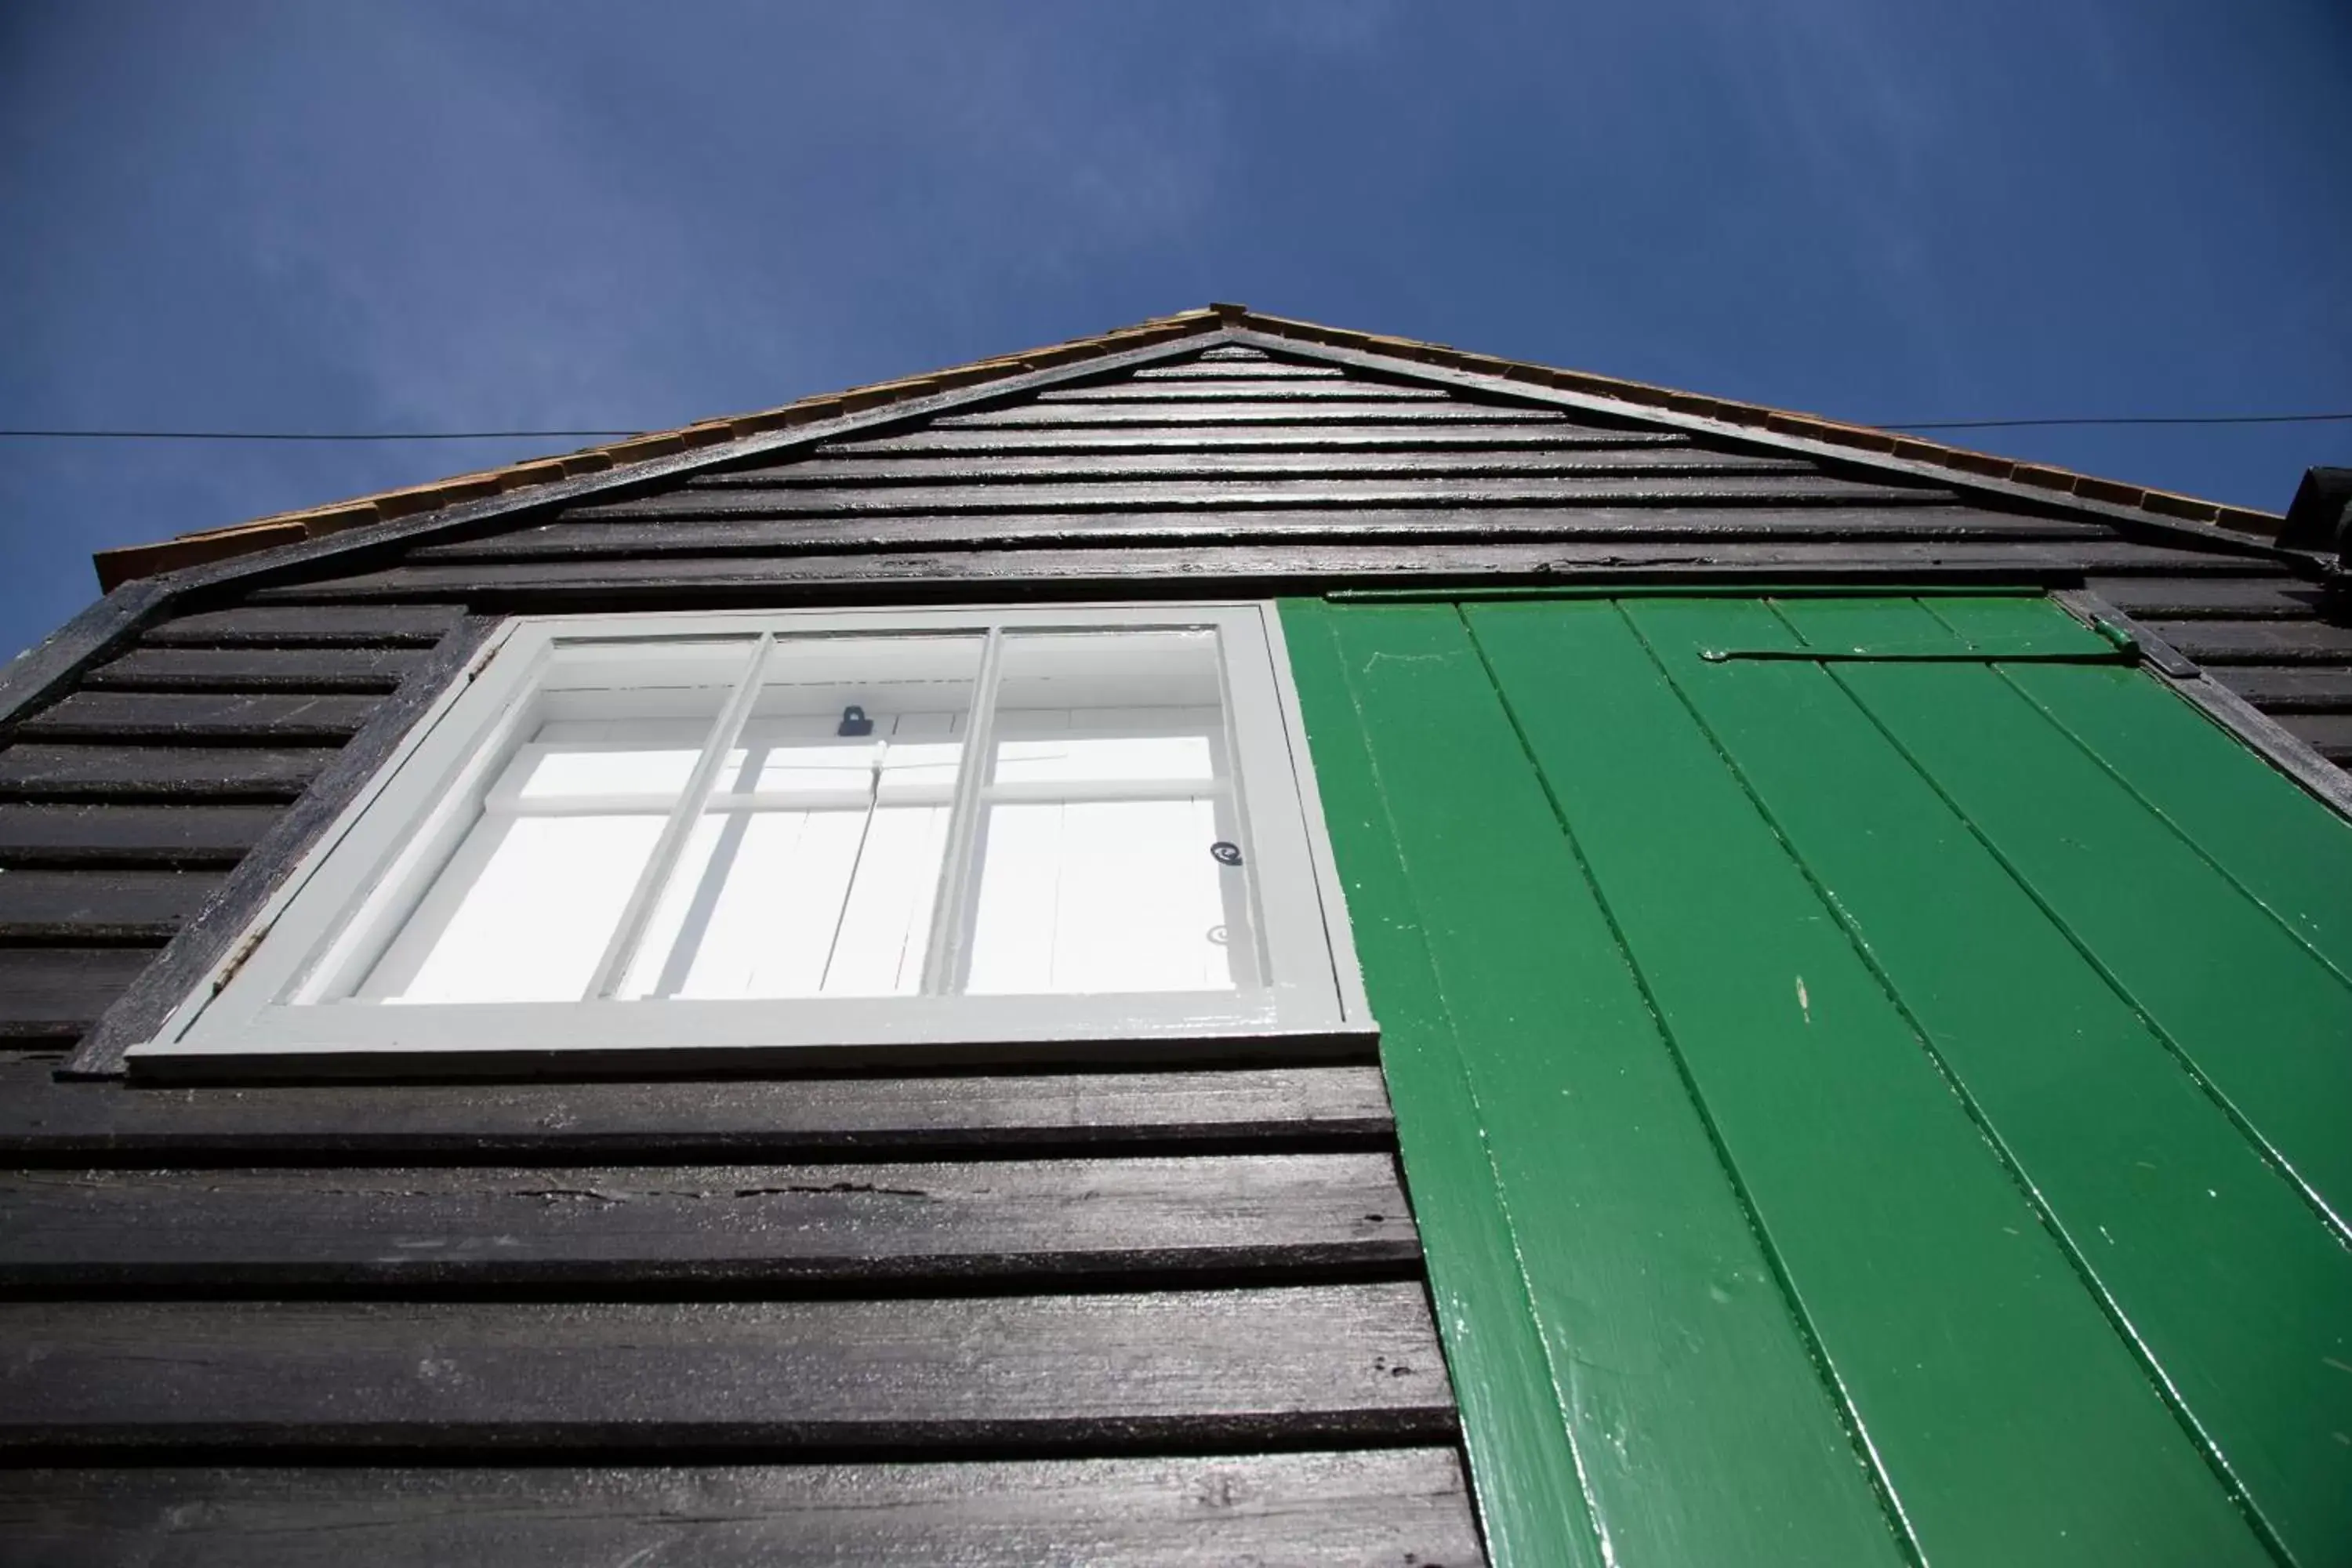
(849, 831)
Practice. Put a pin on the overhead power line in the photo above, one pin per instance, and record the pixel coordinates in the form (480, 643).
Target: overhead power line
(2115, 419)
(601, 434)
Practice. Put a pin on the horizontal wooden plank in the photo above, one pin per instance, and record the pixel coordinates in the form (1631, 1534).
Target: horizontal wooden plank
(95, 907)
(1239, 569)
(2288, 688)
(2329, 734)
(1340, 1107)
(1241, 498)
(33, 771)
(206, 939)
(1293, 1365)
(249, 625)
(648, 538)
(55, 992)
(990, 469)
(254, 670)
(286, 719)
(1324, 1509)
(133, 836)
(2271, 597)
(1275, 390)
(1237, 369)
(2258, 642)
(1361, 411)
(906, 1225)
(1523, 436)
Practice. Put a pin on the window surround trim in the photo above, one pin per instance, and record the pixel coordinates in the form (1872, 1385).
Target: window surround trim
(234, 1022)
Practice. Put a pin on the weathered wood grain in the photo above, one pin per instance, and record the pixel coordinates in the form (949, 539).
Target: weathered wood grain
(1528, 436)
(2258, 642)
(254, 669)
(1345, 1509)
(50, 665)
(97, 908)
(100, 771)
(1269, 390)
(937, 1116)
(55, 992)
(996, 468)
(653, 538)
(280, 718)
(1243, 499)
(249, 625)
(2286, 687)
(1293, 1365)
(1265, 1217)
(1361, 411)
(2268, 596)
(132, 836)
(1232, 370)
(1234, 570)
(2329, 734)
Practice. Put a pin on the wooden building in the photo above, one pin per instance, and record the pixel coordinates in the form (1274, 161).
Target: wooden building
(1230, 943)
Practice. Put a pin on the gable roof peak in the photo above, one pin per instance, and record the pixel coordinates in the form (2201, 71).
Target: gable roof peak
(1218, 324)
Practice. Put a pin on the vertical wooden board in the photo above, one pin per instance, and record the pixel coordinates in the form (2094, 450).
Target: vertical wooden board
(1526, 1492)
(2243, 1000)
(2290, 853)
(2239, 1297)
(2010, 1424)
(1701, 1431)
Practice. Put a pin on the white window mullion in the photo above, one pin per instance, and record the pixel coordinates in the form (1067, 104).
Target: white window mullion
(941, 954)
(623, 948)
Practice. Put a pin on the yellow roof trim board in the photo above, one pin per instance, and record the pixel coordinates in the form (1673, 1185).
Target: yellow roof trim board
(2110, 499)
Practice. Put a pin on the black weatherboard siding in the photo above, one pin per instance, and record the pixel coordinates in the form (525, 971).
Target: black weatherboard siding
(1006, 1316)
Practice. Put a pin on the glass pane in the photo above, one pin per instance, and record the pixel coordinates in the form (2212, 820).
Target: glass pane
(1097, 866)
(1075, 707)
(542, 898)
(1101, 896)
(532, 877)
(568, 759)
(815, 869)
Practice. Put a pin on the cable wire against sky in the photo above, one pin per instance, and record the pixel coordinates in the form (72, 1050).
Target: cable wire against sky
(552, 435)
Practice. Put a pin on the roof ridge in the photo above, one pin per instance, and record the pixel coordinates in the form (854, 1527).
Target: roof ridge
(128, 563)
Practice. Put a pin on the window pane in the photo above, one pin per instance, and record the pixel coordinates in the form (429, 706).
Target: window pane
(523, 909)
(632, 756)
(1101, 896)
(520, 886)
(815, 870)
(1095, 866)
(1065, 747)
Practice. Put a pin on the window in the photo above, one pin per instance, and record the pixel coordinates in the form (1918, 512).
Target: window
(819, 832)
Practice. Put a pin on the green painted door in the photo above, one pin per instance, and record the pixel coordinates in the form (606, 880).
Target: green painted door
(1874, 1076)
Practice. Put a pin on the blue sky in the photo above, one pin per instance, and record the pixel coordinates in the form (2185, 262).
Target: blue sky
(336, 216)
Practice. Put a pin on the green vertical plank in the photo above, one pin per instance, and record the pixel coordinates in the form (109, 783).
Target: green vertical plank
(2235, 1290)
(2262, 1017)
(1527, 1490)
(2292, 855)
(1700, 1430)
(2013, 1424)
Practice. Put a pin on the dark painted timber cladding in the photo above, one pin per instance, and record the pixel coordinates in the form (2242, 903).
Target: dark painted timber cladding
(930, 1225)
(997, 1317)
(1396, 1508)
(1131, 1370)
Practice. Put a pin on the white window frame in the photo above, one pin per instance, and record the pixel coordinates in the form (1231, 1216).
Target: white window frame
(1310, 997)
